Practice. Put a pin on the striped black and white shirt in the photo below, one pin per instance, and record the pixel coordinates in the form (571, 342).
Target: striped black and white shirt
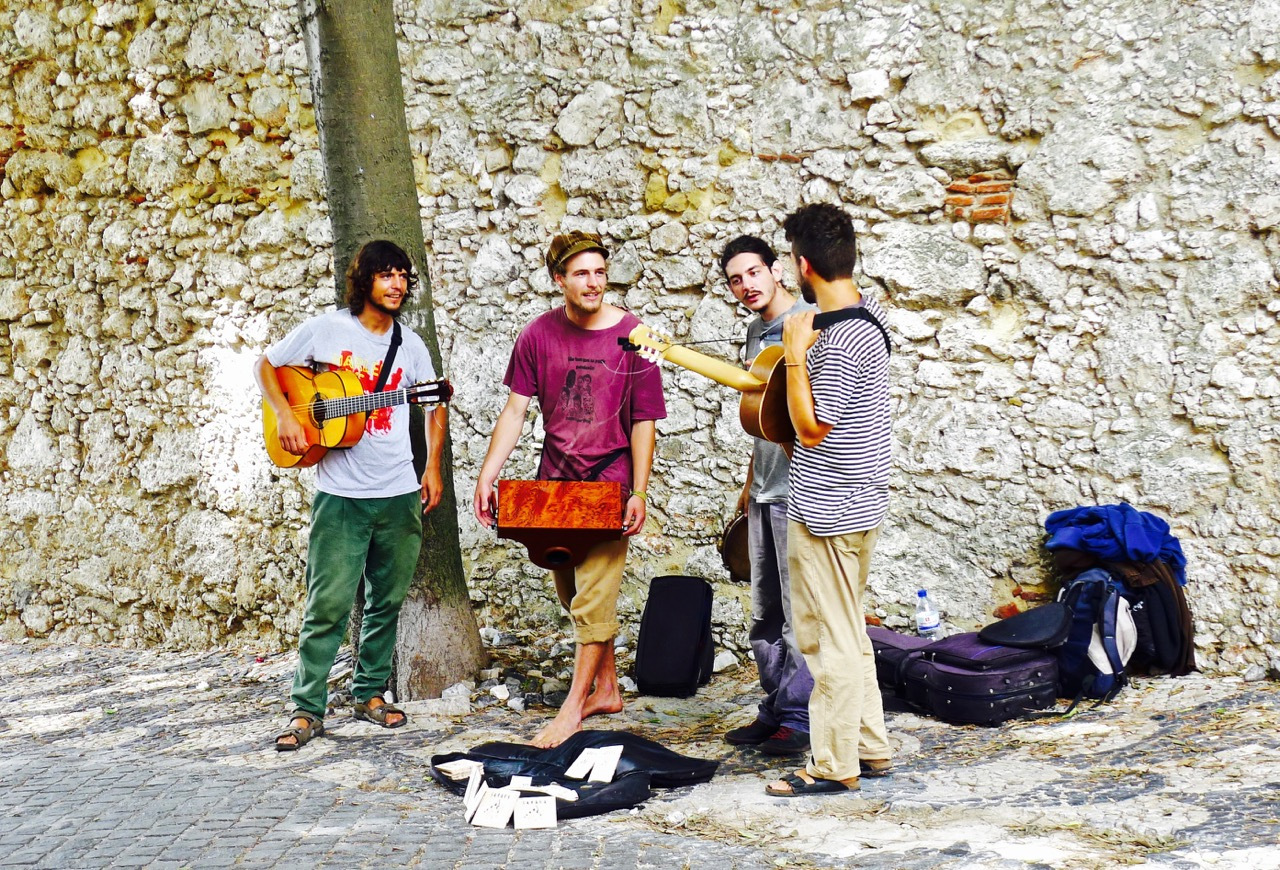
(842, 484)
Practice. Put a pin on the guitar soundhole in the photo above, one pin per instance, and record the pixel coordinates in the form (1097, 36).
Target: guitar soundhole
(317, 410)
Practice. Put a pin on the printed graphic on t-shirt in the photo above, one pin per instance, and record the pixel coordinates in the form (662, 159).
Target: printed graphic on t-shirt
(379, 420)
(577, 396)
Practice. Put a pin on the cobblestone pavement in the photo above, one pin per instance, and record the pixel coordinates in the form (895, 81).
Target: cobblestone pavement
(123, 758)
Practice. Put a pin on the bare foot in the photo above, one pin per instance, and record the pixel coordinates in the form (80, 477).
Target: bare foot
(558, 730)
(602, 702)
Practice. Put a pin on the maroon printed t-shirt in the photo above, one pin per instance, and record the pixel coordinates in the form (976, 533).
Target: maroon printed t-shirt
(590, 390)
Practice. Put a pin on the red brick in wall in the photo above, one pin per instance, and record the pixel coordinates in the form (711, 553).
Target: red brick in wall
(981, 198)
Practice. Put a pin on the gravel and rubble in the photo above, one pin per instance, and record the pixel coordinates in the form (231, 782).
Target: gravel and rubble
(1177, 773)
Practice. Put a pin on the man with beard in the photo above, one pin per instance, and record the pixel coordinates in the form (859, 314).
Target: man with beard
(838, 400)
(366, 519)
(599, 406)
(781, 726)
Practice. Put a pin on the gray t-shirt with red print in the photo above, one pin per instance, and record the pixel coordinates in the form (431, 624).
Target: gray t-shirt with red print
(380, 465)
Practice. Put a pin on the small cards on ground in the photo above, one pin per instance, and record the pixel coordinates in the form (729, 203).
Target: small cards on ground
(496, 807)
(596, 764)
(460, 768)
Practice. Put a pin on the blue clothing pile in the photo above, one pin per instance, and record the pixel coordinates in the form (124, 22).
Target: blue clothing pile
(1116, 533)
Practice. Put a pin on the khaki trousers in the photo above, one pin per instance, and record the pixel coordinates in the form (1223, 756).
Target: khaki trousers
(589, 592)
(846, 716)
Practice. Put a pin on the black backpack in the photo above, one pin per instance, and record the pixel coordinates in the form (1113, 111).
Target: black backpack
(674, 653)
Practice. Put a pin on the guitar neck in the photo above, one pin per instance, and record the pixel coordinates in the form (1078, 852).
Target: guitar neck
(363, 403)
(709, 367)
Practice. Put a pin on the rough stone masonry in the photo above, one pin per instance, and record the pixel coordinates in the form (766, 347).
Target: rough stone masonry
(1069, 208)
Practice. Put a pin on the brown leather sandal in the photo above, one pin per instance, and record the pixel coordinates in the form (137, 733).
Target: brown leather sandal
(378, 715)
(302, 734)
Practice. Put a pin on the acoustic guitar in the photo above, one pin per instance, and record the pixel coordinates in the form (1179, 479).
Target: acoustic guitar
(762, 410)
(333, 408)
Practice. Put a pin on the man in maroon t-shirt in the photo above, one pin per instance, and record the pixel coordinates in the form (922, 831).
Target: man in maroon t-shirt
(599, 406)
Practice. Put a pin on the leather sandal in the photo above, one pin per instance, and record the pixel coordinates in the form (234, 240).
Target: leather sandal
(378, 715)
(801, 783)
(301, 734)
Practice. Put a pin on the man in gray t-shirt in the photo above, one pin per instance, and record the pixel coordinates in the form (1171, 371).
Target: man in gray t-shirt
(782, 722)
(366, 519)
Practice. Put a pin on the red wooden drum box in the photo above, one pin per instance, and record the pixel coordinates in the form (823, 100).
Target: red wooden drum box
(559, 520)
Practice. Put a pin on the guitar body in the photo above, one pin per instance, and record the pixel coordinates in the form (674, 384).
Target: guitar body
(305, 389)
(763, 412)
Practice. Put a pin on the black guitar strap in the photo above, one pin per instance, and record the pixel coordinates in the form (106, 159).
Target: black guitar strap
(830, 318)
(390, 358)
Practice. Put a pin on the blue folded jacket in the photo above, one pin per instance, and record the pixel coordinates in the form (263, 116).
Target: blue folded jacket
(1116, 532)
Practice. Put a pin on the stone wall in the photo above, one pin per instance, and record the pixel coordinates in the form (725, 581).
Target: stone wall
(1069, 209)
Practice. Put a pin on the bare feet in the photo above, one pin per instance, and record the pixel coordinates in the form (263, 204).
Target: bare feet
(602, 702)
(558, 730)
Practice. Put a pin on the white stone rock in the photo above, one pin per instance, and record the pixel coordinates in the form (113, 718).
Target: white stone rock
(924, 264)
(206, 107)
(588, 113)
(525, 190)
(670, 238)
(495, 264)
(868, 84)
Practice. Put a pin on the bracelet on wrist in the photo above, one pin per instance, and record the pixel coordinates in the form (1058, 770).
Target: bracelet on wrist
(641, 494)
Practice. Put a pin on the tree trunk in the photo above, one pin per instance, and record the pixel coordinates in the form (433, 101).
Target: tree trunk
(359, 100)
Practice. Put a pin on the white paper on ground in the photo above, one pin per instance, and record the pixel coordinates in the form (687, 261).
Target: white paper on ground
(473, 787)
(536, 812)
(459, 769)
(607, 758)
(470, 806)
(521, 781)
(582, 765)
(495, 808)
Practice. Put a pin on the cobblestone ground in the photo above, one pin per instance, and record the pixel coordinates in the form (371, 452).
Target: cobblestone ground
(120, 758)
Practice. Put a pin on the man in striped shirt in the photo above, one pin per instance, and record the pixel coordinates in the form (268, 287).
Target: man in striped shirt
(838, 494)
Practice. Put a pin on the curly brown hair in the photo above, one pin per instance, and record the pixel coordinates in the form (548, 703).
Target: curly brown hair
(372, 258)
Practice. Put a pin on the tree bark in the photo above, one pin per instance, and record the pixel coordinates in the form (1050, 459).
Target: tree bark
(359, 100)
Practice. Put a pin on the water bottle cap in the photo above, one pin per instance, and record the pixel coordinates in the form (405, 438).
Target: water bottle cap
(921, 594)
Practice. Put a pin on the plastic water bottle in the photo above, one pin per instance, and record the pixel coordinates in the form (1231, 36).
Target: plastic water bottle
(928, 620)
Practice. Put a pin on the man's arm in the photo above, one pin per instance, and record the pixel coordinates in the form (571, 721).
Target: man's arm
(745, 495)
(506, 434)
(644, 435)
(437, 426)
(293, 437)
(798, 335)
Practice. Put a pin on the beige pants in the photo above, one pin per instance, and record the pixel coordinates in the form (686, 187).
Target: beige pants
(846, 716)
(590, 591)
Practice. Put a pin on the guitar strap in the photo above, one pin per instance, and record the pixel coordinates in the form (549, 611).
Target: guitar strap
(830, 318)
(389, 360)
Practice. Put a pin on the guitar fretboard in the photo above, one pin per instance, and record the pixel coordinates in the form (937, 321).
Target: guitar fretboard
(330, 409)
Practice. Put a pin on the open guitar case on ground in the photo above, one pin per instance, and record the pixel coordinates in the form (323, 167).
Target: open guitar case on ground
(644, 765)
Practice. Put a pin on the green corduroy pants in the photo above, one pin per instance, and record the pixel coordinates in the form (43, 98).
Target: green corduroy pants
(377, 539)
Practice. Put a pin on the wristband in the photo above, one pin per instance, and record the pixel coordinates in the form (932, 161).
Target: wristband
(644, 496)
